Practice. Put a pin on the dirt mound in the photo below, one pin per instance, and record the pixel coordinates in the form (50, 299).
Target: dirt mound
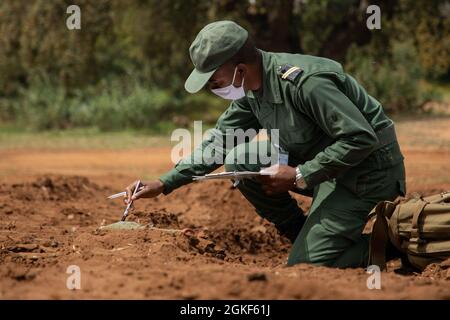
(52, 188)
(199, 242)
(158, 218)
(237, 243)
(438, 270)
(189, 238)
(225, 235)
(246, 237)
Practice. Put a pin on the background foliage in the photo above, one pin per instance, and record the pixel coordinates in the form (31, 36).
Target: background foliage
(126, 67)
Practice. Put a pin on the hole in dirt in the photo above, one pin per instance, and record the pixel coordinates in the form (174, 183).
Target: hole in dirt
(237, 243)
(230, 238)
(237, 238)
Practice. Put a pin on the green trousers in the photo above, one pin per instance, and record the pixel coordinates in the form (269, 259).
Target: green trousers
(331, 233)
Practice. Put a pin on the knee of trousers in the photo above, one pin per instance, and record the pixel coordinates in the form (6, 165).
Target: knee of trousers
(295, 258)
(354, 255)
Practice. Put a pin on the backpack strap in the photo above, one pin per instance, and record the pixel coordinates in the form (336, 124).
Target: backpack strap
(380, 234)
(415, 235)
(378, 240)
(438, 198)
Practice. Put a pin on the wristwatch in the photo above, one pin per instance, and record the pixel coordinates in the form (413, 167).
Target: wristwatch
(299, 180)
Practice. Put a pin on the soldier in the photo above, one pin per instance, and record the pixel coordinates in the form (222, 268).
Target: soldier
(342, 149)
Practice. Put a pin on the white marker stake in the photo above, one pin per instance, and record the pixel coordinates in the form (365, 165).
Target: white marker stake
(125, 213)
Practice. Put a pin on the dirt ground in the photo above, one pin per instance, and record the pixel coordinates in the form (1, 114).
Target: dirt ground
(53, 203)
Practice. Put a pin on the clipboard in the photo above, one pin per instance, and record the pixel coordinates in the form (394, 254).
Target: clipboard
(236, 175)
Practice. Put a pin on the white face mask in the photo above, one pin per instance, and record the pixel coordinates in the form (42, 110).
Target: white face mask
(231, 92)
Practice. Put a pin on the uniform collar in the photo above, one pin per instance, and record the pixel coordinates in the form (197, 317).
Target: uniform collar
(271, 87)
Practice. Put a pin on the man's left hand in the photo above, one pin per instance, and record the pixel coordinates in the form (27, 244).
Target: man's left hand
(282, 179)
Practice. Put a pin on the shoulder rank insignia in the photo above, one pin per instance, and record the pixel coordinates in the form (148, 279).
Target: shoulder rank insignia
(289, 72)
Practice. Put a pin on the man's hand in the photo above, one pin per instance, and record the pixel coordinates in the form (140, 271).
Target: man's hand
(151, 189)
(282, 179)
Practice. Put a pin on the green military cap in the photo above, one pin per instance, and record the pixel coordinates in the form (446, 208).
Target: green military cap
(214, 45)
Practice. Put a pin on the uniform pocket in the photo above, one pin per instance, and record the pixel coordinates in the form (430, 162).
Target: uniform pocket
(371, 182)
(364, 182)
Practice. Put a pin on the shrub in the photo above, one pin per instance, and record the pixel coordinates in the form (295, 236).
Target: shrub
(396, 81)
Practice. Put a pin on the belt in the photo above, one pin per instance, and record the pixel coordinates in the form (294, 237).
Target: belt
(385, 158)
(386, 136)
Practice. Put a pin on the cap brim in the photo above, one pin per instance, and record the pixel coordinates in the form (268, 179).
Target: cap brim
(197, 80)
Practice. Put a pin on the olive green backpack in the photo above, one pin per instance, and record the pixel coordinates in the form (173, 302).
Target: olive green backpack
(419, 228)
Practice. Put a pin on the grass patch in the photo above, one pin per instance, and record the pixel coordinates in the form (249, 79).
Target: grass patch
(81, 139)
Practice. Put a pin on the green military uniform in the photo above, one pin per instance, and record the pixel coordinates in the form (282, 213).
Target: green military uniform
(338, 136)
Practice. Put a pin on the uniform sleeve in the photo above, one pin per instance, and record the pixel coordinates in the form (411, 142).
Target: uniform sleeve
(340, 119)
(211, 153)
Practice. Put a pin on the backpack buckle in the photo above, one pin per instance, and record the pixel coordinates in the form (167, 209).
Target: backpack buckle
(415, 237)
(417, 240)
